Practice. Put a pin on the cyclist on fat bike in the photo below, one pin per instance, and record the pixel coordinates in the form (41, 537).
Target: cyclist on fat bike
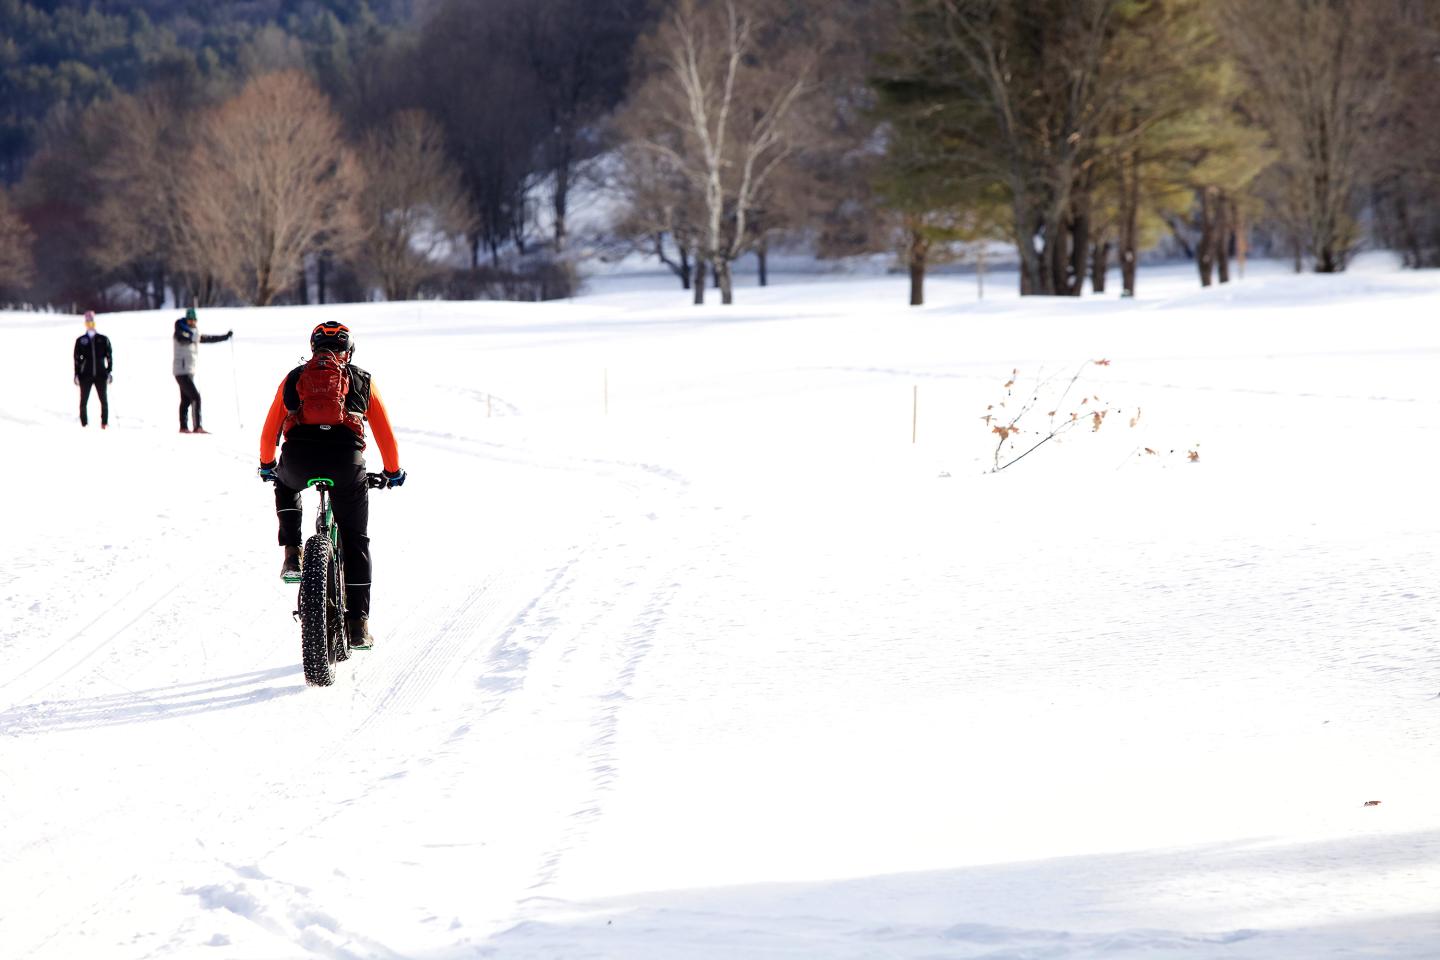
(320, 409)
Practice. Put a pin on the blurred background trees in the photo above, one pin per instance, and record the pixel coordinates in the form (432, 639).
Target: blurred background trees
(412, 205)
(486, 147)
(17, 264)
(269, 183)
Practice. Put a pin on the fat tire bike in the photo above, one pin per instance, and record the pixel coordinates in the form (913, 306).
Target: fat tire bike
(324, 631)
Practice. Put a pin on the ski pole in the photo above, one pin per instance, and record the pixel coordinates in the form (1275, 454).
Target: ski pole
(235, 382)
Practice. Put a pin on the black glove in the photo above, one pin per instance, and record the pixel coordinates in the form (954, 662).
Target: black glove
(394, 478)
(229, 334)
(267, 471)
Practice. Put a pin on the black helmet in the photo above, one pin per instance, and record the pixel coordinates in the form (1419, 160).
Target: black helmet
(334, 337)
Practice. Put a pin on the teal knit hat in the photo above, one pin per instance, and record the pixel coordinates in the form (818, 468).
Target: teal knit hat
(190, 314)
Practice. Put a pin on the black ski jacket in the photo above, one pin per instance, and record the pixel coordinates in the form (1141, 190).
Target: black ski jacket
(92, 357)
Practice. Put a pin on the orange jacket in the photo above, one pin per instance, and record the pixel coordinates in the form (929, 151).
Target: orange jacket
(375, 413)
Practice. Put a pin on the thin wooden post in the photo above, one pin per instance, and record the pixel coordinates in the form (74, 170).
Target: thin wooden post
(1242, 239)
(914, 411)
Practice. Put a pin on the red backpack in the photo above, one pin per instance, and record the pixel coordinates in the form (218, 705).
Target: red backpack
(323, 385)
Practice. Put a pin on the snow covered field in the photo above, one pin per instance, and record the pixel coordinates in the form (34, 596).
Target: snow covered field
(706, 633)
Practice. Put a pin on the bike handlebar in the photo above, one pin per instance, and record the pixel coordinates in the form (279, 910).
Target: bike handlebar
(376, 481)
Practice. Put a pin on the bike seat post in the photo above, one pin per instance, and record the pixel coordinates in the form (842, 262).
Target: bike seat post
(322, 485)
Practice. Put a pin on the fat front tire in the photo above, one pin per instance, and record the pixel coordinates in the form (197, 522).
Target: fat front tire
(317, 571)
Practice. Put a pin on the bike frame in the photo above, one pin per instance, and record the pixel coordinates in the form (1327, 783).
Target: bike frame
(324, 523)
(325, 526)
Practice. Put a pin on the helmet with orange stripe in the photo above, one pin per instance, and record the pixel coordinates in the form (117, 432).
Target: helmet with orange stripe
(334, 337)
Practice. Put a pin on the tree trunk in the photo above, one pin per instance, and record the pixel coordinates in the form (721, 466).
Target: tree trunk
(263, 293)
(917, 255)
(917, 283)
(1057, 257)
(320, 273)
(1406, 238)
(1099, 264)
(1129, 222)
(1079, 244)
(302, 287)
(762, 256)
(562, 201)
(724, 280)
(1242, 238)
(1025, 246)
(681, 269)
(1222, 237)
(1325, 220)
(699, 283)
(1205, 249)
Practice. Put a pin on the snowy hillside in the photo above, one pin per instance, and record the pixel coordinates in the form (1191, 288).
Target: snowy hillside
(708, 633)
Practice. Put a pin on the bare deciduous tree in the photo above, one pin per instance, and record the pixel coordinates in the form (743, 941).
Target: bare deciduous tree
(495, 134)
(1322, 73)
(723, 105)
(270, 181)
(57, 200)
(137, 216)
(414, 203)
(1406, 193)
(17, 264)
(660, 209)
(1013, 90)
(578, 52)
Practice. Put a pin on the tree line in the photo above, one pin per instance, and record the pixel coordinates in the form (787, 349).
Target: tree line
(300, 150)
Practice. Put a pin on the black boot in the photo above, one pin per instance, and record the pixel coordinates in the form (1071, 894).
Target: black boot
(360, 638)
(290, 569)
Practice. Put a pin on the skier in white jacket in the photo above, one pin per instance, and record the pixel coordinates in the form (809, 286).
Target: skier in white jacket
(187, 352)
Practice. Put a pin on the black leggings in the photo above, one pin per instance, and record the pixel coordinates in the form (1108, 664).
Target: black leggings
(350, 498)
(188, 396)
(100, 391)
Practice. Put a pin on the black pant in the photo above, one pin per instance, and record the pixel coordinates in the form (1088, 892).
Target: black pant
(350, 498)
(100, 386)
(188, 396)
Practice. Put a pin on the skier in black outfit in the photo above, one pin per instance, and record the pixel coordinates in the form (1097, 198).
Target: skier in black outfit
(93, 363)
(187, 356)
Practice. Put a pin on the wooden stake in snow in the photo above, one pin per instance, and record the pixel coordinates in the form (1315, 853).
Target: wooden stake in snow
(914, 411)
